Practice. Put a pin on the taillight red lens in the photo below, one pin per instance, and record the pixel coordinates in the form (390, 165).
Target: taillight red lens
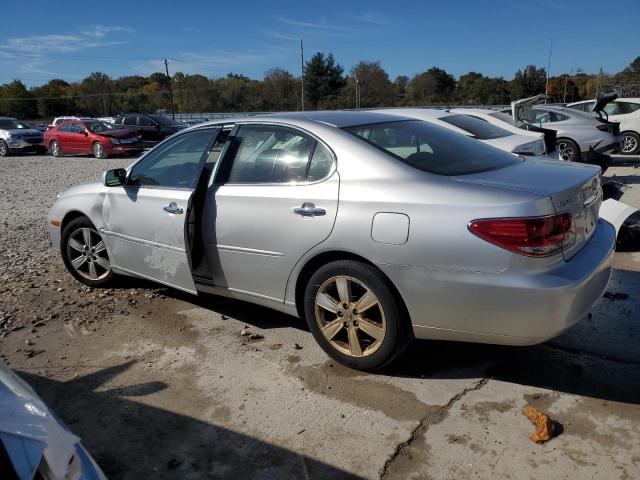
(533, 236)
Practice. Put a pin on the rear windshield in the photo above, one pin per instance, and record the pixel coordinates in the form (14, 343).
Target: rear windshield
(480, 129)
(433, 149)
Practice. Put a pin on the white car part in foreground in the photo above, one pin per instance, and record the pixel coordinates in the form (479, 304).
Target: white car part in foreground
(35, 440)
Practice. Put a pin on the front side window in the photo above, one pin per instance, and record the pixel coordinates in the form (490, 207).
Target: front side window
(547, 116)
(480, 129)
(269, 154)
(433, 149)
(176, 163)
(146, 122)
(76, 127)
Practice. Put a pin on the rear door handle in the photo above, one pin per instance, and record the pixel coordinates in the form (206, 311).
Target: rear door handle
(173, 208)
(309, 210)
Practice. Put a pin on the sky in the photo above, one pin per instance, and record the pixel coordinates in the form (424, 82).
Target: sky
(42, 40)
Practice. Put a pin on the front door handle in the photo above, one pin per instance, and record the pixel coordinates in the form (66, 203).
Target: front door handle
(308, 209)
(173, 208)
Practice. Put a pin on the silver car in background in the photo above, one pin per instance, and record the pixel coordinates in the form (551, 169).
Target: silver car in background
(18, 137)
(518, 143)
(505, 121)
(376, 229)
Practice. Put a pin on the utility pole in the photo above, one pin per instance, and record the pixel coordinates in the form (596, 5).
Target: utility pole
(564, 97)
(546, 90)
(166, 68)
(301, 76)
(357, 85)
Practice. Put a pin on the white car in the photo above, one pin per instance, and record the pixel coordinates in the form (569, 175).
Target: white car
(623, 110)
(64, 118)
(511, 142)
(505, 121)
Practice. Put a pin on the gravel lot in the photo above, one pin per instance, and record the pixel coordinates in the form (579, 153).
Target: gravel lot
(159, 384)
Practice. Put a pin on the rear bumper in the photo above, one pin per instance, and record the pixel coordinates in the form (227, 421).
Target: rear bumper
(510, 308)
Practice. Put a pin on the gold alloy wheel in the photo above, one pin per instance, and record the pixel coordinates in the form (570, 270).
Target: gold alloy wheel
(350, 316)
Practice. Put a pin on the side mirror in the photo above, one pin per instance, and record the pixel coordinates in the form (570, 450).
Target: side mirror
(116, 177)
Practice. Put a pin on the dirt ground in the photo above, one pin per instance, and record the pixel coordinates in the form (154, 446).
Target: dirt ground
(160, 384)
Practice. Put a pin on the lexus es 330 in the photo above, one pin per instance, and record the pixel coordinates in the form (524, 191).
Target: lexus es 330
(376, 229)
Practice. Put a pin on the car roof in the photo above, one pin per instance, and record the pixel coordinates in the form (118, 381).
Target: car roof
(334, 118)
(622, 99)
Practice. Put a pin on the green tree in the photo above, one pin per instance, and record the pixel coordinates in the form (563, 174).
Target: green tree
(97, 98)
(17, 101)
(323, 81)
(55, 98)
(528, 82)
(431, 87)
(375, 88)
(280, 90)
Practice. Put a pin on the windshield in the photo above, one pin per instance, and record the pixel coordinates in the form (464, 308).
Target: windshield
(433, 149)
(99, 127)
(11, 124)
(480, 129)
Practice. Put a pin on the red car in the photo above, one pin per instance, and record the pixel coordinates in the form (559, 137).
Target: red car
(91, 137)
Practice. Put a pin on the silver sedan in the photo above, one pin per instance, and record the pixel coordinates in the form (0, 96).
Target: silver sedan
(376, 229)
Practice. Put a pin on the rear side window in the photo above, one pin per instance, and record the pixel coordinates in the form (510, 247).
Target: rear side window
(269, 154)
(65, 127)
(433, 149)
(480, 129)
(130, 120)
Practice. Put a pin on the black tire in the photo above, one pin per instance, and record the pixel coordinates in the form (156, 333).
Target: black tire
(568, 150)
(54, 148)
(67, 252)
(630, 143)
(98, 151)
(5, 151)
(397, 332)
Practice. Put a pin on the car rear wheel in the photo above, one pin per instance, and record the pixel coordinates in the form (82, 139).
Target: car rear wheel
(54, 148)
(352, 313)
(99, 151)
(84, 253)
(4, 149)
(568, 150)
(630, 143)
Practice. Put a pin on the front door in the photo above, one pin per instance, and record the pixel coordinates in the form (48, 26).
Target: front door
(275, 197)
(144, 221)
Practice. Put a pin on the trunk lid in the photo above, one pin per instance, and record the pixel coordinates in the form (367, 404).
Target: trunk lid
(572, 187)
(583, 202)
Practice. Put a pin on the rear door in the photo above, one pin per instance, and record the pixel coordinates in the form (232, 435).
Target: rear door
(65, 137)
(145, 221)
(149, 129)
(275, 198)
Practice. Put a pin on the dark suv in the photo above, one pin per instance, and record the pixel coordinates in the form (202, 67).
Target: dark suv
(152, 128)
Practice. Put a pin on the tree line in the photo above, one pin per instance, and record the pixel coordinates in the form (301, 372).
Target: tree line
(326, 86)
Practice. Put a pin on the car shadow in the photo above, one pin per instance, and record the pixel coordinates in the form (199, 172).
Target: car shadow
(129, 439)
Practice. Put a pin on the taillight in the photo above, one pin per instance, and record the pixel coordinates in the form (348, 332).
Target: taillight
(532, 236)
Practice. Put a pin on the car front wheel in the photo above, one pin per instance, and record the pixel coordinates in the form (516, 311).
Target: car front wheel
(353, 315)
(630, 143)
(4, 149)
(99, 151)
(84, 253)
